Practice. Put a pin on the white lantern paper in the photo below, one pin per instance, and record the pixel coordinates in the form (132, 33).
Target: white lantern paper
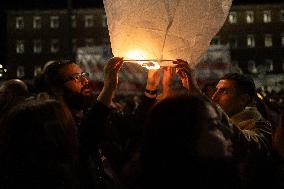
(164, 29)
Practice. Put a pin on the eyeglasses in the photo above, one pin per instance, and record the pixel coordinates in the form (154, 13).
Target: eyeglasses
(78, 77)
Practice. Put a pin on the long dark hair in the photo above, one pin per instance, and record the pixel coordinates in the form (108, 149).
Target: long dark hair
(169, 152)
(39, 146)
(50, 77)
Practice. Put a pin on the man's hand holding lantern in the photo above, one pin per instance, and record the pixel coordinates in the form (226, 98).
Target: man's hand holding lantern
(110, 80)
(187, 76)
(153, 81)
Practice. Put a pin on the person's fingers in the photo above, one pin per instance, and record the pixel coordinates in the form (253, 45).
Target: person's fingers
(178, 70)
(165, 68)
(113, 61)
(182, 65)
(167, 71)
(153, 73)
(180, 61)
(181, 68)
(185, 67)
(113, 65)
(172, 70)
(118, 64)
(181, 73)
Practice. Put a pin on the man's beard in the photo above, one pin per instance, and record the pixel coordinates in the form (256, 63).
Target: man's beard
(78, 101)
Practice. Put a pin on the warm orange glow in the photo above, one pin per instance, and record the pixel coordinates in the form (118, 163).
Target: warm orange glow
(137, 56)
(259, 96)
(151, 65)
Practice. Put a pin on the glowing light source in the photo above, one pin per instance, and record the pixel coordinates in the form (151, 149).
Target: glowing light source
(135, 55)
(163, 29)
(259, 96)
(139, 57)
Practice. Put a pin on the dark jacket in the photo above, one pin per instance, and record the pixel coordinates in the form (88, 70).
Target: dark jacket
(251, 139)
(252, 133)
(91, 131)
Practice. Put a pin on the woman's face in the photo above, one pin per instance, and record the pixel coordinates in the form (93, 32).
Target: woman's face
(212, 142)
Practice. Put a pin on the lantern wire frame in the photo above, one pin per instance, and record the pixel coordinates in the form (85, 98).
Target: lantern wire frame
(147, 62)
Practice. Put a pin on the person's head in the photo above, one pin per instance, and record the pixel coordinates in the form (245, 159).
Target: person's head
(189, 124)
(66, 79)
(182, 133)
(12, 92)
(234, 92)
(38, 139)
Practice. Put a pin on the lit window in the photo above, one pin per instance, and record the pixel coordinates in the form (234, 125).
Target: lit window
(89, 42)
(251, 66)
(104, 21)
(282, 15)
(216, 41)
(37, 46)
(249, 17)
(269, 65)
(73, 21)
(54, 46)
(267, 16)
(20, 71)
(20, 47)
(282, 40)
(233, 17)
(54, 21)
(20, 22)
(268, 40)
(74, 45)
(37, 70)
(37, 22)
(250, 41)
(89, 21)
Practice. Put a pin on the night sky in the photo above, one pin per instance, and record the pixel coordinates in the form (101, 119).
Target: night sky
(62, 4)
(48, 4)
(30, 4)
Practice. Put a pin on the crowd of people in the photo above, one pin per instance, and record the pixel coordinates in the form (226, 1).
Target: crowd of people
(63, 136)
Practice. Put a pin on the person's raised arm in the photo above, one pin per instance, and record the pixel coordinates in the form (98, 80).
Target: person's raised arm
(187, 76)
(153, 81)
(167, 81)
(110, 80)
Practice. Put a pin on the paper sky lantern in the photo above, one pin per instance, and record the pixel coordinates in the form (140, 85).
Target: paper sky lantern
(163, 30)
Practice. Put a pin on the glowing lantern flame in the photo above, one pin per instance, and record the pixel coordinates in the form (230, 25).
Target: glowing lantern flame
(151, 65)
(164, 30)
(137, 56)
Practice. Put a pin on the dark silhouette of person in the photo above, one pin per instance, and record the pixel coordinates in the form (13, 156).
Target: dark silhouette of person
(184, 145)
(39, 147)
(12, 92)
(67, 82)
